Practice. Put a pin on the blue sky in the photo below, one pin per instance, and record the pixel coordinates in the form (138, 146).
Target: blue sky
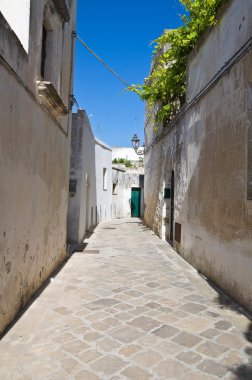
(120, 32)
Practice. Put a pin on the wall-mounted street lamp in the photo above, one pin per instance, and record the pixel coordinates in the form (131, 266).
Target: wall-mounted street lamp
(135, 143)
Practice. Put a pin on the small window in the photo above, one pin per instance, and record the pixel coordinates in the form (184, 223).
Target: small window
(178, 232)
(43, 51)
(167, 193)
(72, 187)
(105, 187)
(114, 190)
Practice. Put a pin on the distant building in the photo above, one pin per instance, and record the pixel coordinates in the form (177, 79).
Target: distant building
(36, 67)
(127, 191)
(90, 184)
(126, 153)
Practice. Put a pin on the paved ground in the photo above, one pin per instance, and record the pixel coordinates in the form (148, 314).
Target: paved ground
(135, 310)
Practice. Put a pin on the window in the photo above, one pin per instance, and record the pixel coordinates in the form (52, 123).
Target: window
(167, 193)
(50, 70)
(52, 38)
(114, 190)
(72, 187)
(105, 179)
(50, 64)
(43, 52)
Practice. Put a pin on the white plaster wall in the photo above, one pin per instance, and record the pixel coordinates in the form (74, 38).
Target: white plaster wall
(124, 152)
(34, 166)
(88, 201)
(17, 14)
(103, 159)
(218, 46)
(82, 170)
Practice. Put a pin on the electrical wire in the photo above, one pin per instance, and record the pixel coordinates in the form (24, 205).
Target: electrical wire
(99, 59)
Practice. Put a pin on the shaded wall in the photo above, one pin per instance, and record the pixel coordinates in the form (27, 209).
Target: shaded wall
(82, 187)
(103, 160)
(89, 196)
(34, 167)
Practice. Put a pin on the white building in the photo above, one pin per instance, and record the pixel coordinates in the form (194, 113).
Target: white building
(36, 59)
(126, 153)
(103, 164)
(127, 191)
(90, 186)
(82, 184)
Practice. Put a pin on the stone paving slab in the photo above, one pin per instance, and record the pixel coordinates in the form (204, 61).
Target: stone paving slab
(135, 310)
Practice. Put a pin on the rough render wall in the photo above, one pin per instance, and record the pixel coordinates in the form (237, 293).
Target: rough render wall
(34, 167)
(83, 203)
(208, 151)
(34, 192)
(88, 200)
(234, 29)
(103, 159)
(76, 163)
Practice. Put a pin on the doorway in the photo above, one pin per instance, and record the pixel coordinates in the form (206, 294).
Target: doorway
(172, 207)
(135, 202)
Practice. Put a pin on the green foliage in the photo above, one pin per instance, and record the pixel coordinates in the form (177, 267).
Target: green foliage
(166, 85)
(124, 161)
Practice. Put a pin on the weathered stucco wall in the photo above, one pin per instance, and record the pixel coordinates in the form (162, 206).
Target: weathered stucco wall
(82, 202)
(103, 160)
(89, 201)
(123, 180)
(209, 150)
(34, 163)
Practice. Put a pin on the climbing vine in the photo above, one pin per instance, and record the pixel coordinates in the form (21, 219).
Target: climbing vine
(166, 84)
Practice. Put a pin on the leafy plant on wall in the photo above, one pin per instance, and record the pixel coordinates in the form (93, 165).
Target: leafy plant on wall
(124, 161)
(166, 84)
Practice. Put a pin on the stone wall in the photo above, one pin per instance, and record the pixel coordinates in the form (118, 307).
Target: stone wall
(208, 148)
(34, 163)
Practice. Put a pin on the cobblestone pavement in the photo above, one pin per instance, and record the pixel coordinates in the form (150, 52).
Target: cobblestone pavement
(135, 310)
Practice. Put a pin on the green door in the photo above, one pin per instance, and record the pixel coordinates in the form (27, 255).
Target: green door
(135, 202)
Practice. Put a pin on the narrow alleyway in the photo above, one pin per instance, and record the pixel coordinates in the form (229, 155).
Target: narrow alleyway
(128, 307)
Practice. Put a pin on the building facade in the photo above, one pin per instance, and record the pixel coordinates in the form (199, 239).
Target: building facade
(127, 191)
(82, 184)
(198, 187)
(127, 153)
(36, 60)
(103, 164)
(90, 180)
